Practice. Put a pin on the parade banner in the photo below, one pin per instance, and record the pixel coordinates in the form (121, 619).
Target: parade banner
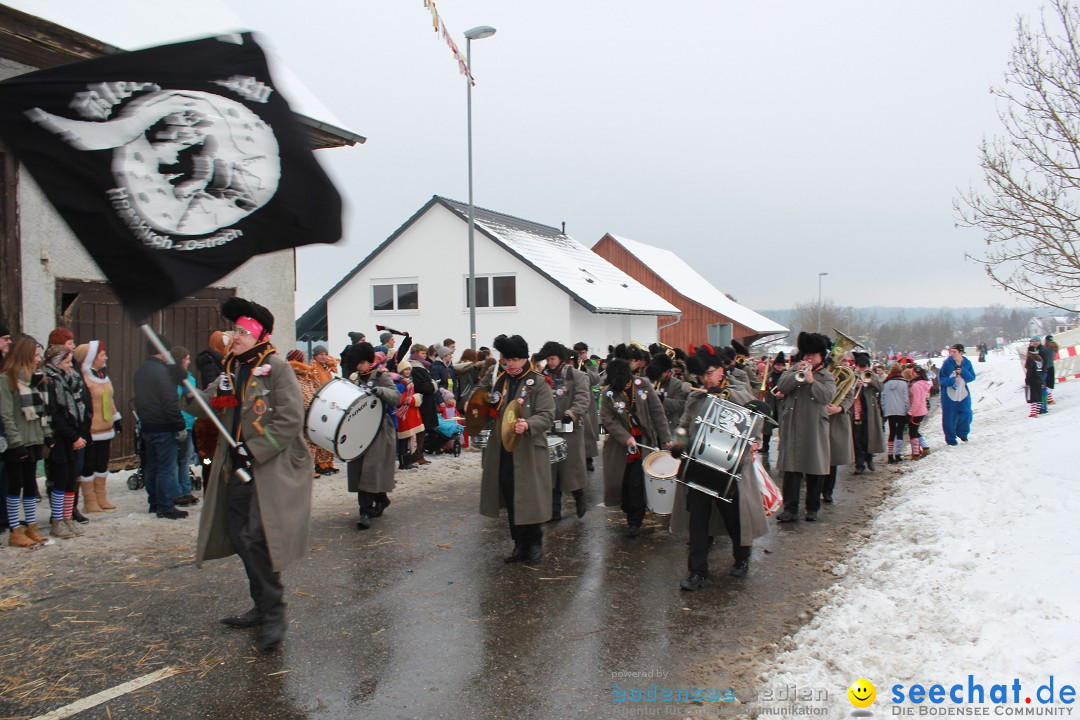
(172, 165)
(440, 27)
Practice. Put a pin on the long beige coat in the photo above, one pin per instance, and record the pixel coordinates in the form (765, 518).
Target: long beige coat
(675, 392)
(532, 469)
(592, 425)
(282, 467)
(804, 423)
(751, 508)
(573, 394)
(373, 471)
(841, 445)
(650, 416)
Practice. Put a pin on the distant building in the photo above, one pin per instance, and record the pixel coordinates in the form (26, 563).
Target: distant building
(1052, 324)
(532, 279)
(708, 315)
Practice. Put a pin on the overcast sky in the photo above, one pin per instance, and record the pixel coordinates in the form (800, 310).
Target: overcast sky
(763, 142)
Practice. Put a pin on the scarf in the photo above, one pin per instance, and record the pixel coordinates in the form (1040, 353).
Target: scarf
(32, 399)
(68, 392)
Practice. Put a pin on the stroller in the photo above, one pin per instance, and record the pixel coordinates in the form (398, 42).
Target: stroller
(137, 480)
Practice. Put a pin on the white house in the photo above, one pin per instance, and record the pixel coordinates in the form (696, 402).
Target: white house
(532, 280)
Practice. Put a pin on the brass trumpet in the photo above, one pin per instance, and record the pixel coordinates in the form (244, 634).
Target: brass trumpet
(867, 376)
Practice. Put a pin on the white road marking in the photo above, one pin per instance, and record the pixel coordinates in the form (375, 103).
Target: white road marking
(105, 695)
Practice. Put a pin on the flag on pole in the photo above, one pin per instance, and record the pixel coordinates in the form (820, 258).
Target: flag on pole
(172, 165)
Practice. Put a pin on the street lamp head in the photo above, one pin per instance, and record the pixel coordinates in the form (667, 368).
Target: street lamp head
(824, 273)
(479, 32)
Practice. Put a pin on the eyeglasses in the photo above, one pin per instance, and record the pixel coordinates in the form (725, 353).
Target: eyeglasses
(241, 331)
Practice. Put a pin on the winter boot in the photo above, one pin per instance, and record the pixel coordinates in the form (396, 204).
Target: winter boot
(892, 459)
(90, 503)
(102, 499)
(60, 530)
(579, 501)
(18, 538)
(556, 505)
(78, 531)
(33, 534)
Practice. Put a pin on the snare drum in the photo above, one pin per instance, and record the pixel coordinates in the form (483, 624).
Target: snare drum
(556, 449)
(481, 440)
(344, 418)
(660, 470)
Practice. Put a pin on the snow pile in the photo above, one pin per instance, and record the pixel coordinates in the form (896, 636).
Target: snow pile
(971, 564)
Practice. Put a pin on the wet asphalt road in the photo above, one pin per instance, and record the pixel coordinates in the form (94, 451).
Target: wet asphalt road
(419, 618)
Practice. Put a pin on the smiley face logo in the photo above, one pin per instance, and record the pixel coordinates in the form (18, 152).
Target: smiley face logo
(862, 693)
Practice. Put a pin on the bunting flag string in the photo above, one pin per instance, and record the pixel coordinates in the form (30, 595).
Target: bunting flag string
(440, 27)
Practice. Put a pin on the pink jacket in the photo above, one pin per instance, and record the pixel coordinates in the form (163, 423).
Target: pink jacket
(918, 392)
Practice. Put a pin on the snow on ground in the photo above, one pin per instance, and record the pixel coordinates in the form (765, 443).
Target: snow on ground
(970, 567)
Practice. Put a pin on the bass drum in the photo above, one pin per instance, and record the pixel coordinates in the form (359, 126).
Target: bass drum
(660, 470)
(343, 418)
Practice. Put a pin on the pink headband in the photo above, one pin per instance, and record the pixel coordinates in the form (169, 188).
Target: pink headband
(252, 325)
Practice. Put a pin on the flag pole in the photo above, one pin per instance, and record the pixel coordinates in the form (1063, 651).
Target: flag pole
(199, 399)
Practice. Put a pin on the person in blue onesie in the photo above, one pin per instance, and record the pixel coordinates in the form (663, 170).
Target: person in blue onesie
(955, 375)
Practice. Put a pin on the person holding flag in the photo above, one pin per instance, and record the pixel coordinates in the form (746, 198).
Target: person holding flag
(258, 501)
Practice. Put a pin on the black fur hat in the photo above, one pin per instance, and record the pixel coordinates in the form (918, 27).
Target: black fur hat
(694, 366)
(711, 357)
(618, 374)
(513, 347)
(680, 354)
(739, 348)
(620, 351)
(780, 357)
(235, 308)
(810, 343)
(551, 347)
(728, 354)
(659, 364)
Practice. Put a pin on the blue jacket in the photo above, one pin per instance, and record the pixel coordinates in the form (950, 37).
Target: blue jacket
(947, 378)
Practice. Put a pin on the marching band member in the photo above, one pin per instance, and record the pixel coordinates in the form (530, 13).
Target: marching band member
(573, 396)
(592, 425)
(519, 480)
(744, 516)
(265, 520)
(631, 412)
(371, 476)
(867, 422)
(672, 391)
(745, 362)
(804, 426)
(776, 369)
(841, 450)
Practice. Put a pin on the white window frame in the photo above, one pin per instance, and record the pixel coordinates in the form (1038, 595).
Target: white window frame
(395, 283)
(486, 278)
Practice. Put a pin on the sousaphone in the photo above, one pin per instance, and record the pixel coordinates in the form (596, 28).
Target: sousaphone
(509, 420)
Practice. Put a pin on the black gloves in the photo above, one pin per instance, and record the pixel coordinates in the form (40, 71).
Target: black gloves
(677, 451)
(242, 457)
(567, 419)
(118, 426)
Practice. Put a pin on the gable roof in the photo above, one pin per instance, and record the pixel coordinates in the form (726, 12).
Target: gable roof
(89, 29)
(589, 279)
(673, 270)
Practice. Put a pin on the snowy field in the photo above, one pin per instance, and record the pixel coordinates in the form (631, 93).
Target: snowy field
(971, 568)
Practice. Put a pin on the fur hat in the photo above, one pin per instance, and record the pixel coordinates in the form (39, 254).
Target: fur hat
(780, 357)
(356, 354)
(710, 357)
(59, 336)
(862, 359)
(810, 343)
(659, 364)
(728, 353)
(235, 308)
(513, 347)
(5, 330)
(552, 347)
(739, 348)
(219, 341)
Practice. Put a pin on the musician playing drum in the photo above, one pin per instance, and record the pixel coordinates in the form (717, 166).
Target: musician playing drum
(573, 395)
(744, 516)
(631, 412)
(371, 476)
(519, 478)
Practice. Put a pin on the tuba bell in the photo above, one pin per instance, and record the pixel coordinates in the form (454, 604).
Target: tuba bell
(842, 375)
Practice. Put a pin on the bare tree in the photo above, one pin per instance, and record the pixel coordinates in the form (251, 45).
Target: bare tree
(1030, 206)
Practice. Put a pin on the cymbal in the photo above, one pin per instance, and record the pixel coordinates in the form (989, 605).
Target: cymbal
(477, 413)
(509, 420)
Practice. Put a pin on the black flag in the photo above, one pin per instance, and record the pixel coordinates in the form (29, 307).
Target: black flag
(172, 165)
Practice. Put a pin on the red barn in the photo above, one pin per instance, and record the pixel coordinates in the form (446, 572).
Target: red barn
(707, 313)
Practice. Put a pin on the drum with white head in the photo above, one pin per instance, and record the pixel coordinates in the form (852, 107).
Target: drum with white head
(344, 418)
(660, 470)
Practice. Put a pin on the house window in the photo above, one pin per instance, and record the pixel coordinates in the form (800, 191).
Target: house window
(390, 295)
(719, 334)
(493, 291)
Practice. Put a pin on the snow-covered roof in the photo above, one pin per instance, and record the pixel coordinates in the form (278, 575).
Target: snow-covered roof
(686, 281)
(588, 278)
(137, 24)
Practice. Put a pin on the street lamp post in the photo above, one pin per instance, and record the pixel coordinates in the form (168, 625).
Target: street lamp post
(819, 276)
(476, 33)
